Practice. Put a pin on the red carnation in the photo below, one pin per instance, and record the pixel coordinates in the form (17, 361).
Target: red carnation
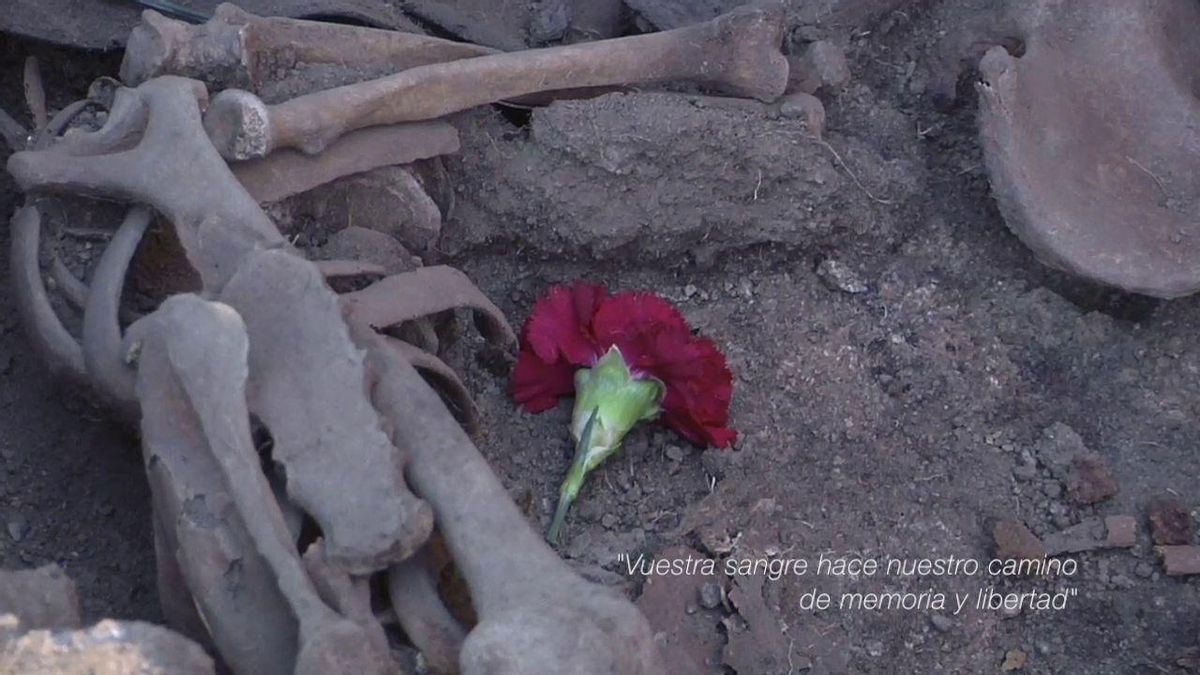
(626, 358)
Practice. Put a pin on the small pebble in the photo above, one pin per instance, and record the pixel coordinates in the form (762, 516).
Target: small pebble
(17, 528)
(710, 595)
(609, 521)
(839, 277)
(875, 648)
(675, 453)
(941, 622)
(1144, 570)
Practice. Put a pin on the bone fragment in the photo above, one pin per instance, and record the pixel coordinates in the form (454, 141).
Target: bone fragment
(1180, 560)
(288, 172)
(57, 348)
(35, 93)
(737, 52)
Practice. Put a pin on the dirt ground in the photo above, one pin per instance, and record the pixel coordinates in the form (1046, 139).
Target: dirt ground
(896, 406)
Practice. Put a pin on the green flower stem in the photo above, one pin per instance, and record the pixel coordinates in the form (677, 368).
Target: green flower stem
(574, 482)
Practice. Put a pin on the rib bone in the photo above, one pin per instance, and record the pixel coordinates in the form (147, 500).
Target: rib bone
(737, 52)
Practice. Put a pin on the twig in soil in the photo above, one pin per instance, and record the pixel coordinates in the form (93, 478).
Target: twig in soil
(849, 172)
(35, 93)
(15, 136)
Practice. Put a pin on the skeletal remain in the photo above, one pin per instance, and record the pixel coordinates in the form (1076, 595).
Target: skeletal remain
(56, 346)
(349, 595)
(536, 615)
(339, 464)
(101, 326)
(174, 168)
(422, 614)
(420, 293)
(202, 353)
(238, 49)
(287, 172)
(737, 52)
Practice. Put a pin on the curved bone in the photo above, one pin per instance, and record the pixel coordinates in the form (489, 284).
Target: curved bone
(422, 292)
(178, 606)
(738, 52)
(446, 381)
(422, 614)
(201, 348)
(35, 93)
(288, 172)
(536, 615)
(50, 338)
(101, 327)
(238, 49)
(72, 289)
(327, 436)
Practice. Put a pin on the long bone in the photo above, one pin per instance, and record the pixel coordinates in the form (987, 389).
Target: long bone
(738, 52)
(536, 615)
(174, 168)
(201, 349)
(239, 49)
(303, 372)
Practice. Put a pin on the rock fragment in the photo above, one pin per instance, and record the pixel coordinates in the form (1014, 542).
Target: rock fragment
(839, 277)
(42, 598)
(108, 648)
(1170, 523)
(689, 642)
(806, 108)
(1014, 541)
(822, 65)
(1090, 481)
(1094, 534)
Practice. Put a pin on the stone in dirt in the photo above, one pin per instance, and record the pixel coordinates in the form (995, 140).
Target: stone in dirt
(1090, 481)
(839, 277)
(1170, 523)
(1014, 659)
(689, 641)
(757, 643)
(42, 598)
(1180, 560)
(1093, 534)
(108, 648)
(822, 65)
(1014, 541)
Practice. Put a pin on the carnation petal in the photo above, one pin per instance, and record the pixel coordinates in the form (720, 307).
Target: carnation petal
(561, 324)
(539, 385)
